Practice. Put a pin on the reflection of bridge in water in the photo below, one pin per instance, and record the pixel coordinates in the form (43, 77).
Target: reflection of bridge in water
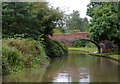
(69, 38)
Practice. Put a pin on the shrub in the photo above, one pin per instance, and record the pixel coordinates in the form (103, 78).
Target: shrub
(19, 54)
(24, 46)
(54, 48)
(11, 60)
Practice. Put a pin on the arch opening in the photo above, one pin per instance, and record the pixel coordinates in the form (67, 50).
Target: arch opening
(95, 43)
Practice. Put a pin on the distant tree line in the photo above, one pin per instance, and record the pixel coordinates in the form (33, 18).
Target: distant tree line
(75, 22)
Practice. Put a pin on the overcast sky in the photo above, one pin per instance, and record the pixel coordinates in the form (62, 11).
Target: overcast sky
(70, 5)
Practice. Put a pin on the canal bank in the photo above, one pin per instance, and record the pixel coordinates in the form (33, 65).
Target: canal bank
(114, 56)
(76, 67)
(20, 54)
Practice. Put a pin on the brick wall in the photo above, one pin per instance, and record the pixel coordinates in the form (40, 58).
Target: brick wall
(107, 46)
(63, 36)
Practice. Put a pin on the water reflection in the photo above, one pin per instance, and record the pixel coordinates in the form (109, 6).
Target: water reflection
(62, 77)
(76, 67)
(79, 67)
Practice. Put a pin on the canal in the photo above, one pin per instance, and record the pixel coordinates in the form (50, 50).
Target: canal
(76, 67)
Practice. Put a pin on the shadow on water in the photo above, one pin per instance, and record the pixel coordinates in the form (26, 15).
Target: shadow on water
(77, 67)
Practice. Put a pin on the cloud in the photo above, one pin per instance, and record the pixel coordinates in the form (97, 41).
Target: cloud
(70, 5)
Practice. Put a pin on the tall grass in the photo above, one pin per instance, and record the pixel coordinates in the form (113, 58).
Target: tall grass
(20, 54)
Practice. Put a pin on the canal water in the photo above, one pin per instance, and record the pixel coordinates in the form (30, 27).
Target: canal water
(76, 67)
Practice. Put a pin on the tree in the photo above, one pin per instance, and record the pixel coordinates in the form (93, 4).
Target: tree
(29, 18)
(74, 22)
(104, 23)
(14, 20)
(85, 24)
(33, 20)
(90, 8)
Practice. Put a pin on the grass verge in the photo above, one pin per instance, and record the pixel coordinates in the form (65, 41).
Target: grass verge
(90, 50)
(115, 54)
(20, 54)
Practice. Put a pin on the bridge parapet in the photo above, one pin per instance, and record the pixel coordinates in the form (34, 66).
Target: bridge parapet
(69, 38)
(73, 35)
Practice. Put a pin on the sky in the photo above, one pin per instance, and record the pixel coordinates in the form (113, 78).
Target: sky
(70, 5)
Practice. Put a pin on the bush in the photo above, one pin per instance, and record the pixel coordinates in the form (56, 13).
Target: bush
(25, 46)
(20, 54)
(54, 48)
(11, 60)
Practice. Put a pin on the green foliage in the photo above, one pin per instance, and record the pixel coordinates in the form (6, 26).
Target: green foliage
(104, 23)
(79, 43)
(90, 8)
(29, 19)
(82, 43)
(86, 49)
(32, 21)
(58, 31)
(74, 22)
(54, 48)
(10, 57)
(21, 54)
(85, 24)
(24, 45)
(115, 54)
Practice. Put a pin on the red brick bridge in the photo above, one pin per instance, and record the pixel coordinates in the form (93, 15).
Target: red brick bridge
(69, 38)
(106, 46)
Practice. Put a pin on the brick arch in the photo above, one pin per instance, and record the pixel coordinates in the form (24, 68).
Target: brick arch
(68, 38)
(98, 46)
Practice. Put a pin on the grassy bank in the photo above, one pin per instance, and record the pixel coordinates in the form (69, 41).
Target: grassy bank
(115, 54)
(91, 50)
(20, 54)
